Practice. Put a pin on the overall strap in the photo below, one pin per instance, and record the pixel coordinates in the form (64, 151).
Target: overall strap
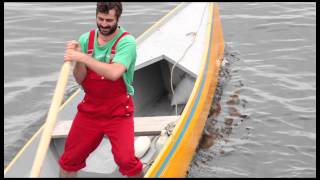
(91, 42)
(113, 49)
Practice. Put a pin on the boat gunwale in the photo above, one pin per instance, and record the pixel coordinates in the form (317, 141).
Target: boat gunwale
(157, 167)
(160, 165)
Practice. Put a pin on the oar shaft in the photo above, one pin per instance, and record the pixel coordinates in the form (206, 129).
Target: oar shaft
(51, 120)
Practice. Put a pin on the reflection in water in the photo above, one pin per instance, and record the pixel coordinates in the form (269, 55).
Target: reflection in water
(214, 132)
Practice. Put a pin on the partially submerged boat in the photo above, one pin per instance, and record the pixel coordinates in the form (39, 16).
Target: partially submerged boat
(176, 75)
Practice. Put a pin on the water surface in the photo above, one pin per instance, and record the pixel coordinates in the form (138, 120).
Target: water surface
(274, 77)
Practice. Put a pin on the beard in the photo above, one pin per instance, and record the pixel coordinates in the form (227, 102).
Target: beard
(106, 31)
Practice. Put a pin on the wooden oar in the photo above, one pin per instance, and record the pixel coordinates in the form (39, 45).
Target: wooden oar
(51, 120)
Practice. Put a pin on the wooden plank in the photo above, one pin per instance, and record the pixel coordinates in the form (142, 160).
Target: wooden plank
(143, 126)
(152, 126)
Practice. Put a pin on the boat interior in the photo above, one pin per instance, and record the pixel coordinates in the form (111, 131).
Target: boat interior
(153, 100)
(153, 97)
(154, 105)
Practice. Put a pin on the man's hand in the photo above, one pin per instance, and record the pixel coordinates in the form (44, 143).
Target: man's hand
(73, 44)
(73, 55)
(73, 52)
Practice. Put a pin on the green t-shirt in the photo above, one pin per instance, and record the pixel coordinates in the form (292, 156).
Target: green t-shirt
(126, 53)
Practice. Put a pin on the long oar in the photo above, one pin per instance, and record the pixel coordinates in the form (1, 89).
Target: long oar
(51, 120)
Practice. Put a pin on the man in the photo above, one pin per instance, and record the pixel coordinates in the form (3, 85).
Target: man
(105, 60)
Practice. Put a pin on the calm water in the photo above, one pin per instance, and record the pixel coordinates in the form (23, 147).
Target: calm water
(274, 76)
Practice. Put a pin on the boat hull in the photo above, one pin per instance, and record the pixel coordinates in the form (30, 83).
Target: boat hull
(174, 159)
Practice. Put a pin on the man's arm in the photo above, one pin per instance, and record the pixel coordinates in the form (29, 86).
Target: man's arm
(110, 71)
(79, 72)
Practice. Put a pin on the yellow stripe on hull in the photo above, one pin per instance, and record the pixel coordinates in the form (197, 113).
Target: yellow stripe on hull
(176, 155)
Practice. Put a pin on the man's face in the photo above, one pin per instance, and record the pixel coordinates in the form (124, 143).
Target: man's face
(107, 23)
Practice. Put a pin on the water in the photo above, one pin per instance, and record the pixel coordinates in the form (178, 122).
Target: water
(276, 82)
(274, 77)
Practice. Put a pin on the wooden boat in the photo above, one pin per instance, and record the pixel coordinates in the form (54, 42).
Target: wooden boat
(189, 39)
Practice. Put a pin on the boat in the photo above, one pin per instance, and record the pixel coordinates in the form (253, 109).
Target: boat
(176, 74)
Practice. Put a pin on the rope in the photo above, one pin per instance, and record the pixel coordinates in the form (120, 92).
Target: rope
(185, 52)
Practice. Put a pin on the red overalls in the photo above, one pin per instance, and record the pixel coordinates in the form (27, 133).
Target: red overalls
(106, 109)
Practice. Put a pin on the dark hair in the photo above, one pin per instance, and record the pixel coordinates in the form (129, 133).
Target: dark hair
(104, 7)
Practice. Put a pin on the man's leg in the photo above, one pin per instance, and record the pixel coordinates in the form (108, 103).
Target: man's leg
(83, 138)
(121, 136)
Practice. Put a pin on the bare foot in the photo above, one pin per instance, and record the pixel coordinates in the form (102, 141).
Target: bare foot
(139, 175)
(67, 174)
